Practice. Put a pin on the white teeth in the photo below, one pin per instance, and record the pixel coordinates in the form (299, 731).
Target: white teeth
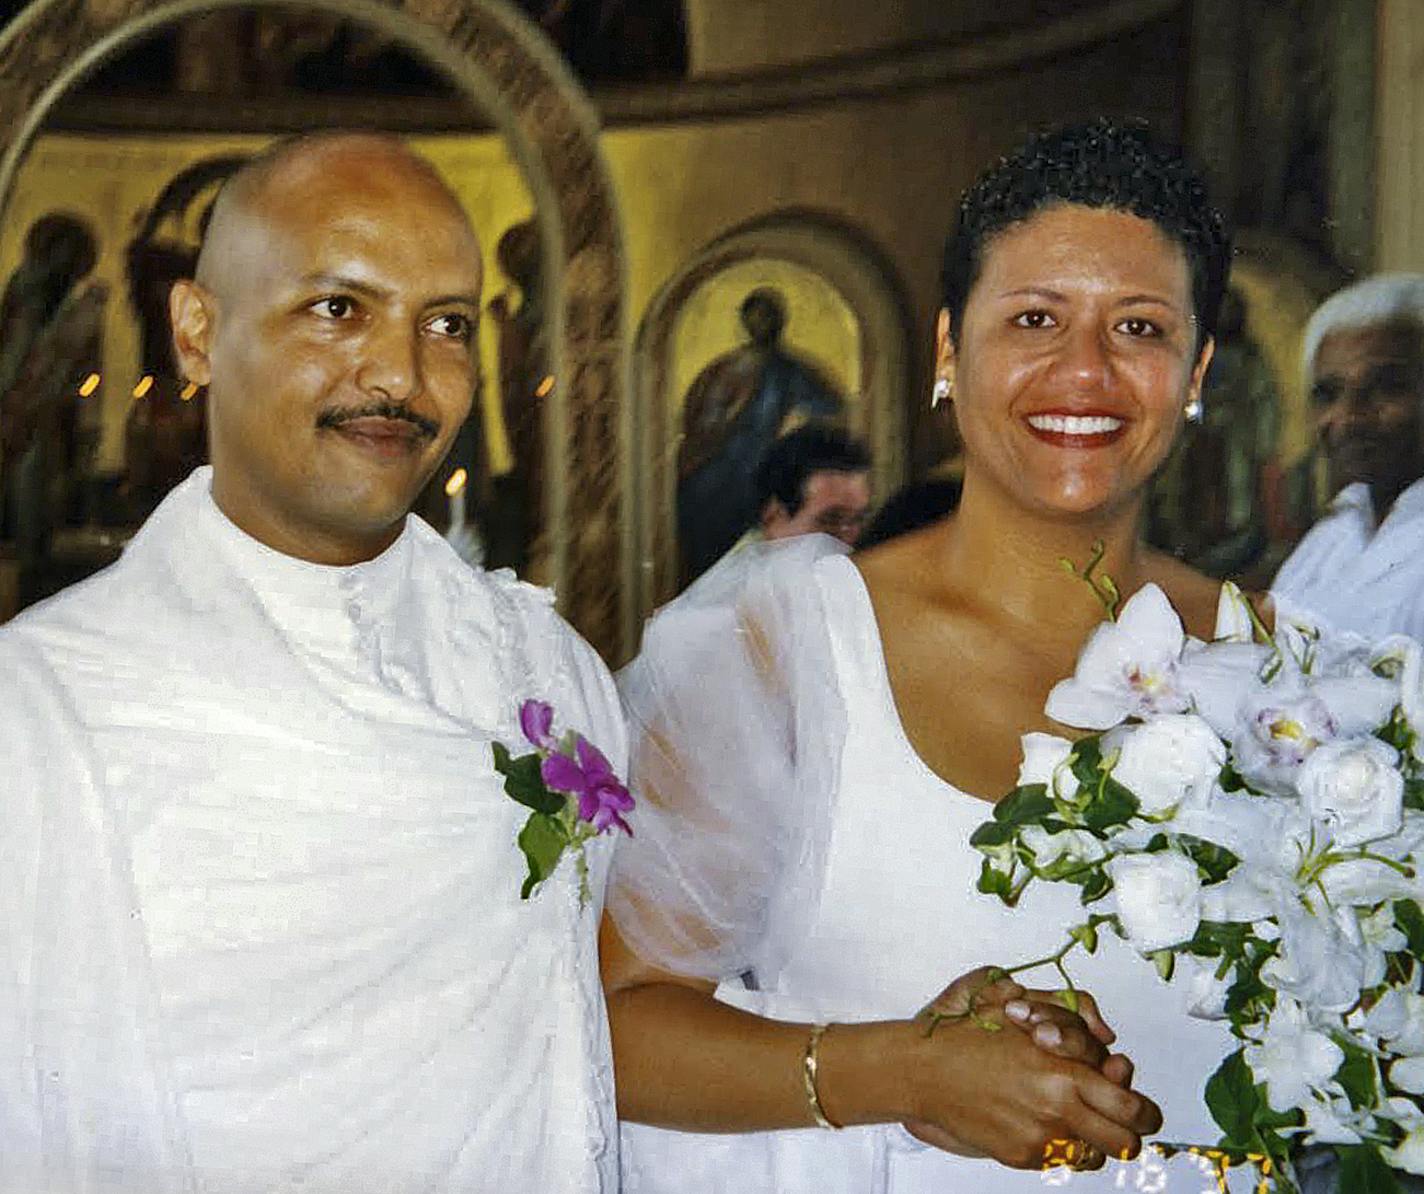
(1074, 424)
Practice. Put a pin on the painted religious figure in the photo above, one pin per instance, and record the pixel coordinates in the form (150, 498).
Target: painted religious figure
(52, 314)
(734, 410)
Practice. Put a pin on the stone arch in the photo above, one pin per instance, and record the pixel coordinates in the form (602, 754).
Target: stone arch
(857, 269)
(508, 69)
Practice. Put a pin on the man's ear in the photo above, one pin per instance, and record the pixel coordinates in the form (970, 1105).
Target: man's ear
(771, 513)
(192, 311)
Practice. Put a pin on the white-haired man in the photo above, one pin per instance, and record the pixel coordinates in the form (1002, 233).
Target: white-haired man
(1361, 567)
(259, 879)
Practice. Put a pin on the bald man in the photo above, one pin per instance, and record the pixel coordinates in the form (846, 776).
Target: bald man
(260, 884)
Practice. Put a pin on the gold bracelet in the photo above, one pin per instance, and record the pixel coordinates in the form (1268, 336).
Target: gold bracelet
(810, 1064)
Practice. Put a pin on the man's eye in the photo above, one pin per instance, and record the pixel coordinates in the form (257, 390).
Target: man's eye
(1136, 326)
(458, 327)
(335, 306)
(1034, 319)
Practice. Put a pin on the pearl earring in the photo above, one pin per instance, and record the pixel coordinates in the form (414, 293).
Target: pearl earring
(1193, 411)
(941, 392)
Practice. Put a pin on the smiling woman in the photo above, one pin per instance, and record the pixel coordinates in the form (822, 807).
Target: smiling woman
(817, 737)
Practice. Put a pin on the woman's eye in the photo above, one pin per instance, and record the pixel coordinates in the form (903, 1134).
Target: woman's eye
(335, 306)
(1034, 319)
(1139, 327)
(458, 327)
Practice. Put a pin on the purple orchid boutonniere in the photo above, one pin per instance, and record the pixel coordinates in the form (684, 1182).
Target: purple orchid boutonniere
(570, 789)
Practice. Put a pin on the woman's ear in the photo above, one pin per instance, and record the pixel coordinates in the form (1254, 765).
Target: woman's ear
(944, 364)
(1194, 386)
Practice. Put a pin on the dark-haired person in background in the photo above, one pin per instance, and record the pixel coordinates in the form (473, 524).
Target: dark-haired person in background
(813, 479)
(812, 762)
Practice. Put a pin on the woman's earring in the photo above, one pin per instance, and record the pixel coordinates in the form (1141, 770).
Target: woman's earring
(1193, 410)
(941, 392)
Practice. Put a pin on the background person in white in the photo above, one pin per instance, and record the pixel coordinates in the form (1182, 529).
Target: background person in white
(260, 883)
(1361, 567)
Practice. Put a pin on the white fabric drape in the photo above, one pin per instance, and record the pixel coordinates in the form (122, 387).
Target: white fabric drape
(262, 880)
(1353, 575)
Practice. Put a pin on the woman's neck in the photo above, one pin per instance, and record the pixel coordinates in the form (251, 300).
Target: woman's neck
(993, 546)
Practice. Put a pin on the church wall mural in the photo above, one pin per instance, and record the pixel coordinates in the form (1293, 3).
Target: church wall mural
(874, 150)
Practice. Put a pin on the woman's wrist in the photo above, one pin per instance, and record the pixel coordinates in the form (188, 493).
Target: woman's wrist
(864, 1072)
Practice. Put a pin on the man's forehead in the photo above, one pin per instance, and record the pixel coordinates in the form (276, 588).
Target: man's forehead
(1395, 341)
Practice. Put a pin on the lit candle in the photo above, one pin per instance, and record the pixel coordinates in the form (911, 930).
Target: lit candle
(455, 491)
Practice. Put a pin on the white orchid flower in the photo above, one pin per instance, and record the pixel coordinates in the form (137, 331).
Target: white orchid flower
(1127, 669)
(1067, 845)
(1218, 676)
(1293, 1058)
(1329, 1119)
(1322, 960)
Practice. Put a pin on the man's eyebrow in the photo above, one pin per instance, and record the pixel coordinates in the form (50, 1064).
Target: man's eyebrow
(360, 286)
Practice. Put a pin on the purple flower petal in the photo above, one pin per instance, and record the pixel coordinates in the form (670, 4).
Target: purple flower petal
(592, 760)
(589, 806)
(563, 775)
(536, 719)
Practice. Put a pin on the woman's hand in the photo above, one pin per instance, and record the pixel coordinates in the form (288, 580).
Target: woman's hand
(1067, 1093)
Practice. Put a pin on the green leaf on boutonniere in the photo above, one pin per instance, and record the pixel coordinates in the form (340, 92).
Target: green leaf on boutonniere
(1363, 1171)
(1024, 805)
(522, 781)
(543, 840)
(1095, 886)
(993, 881)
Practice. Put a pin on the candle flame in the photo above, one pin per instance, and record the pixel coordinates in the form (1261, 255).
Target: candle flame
(542, 390)
(456, 482)
(145, 384)
(189, 391)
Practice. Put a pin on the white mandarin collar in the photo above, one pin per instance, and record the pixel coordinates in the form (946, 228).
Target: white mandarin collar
(305, 597)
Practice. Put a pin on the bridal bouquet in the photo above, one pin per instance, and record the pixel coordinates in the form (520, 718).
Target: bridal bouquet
(1250, 813)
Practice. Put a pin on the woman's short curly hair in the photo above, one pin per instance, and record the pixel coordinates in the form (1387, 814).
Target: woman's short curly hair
(1103, 164)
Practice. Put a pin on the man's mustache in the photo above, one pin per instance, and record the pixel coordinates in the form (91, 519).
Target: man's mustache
(428, 428)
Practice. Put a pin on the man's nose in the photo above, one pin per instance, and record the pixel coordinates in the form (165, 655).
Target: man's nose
(390, 362)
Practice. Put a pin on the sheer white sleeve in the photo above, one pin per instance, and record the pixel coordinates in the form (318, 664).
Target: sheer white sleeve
(736, 723)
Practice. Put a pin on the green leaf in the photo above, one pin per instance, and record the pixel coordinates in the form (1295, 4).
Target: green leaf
(1166, 962)
(993, 881)
(1024, 805)
(543, 840)
(1086, 760)
(1096, 886)
(1410, 919)
(1233, 1100)
(1356, 1074)
(992, 836)
(1215, 862)
(1414, 794)
(1363, 1171)
(1111, 805)
(522, 781)
(1087, 936)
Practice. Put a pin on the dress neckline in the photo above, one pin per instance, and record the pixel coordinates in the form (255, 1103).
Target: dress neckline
(885, 693)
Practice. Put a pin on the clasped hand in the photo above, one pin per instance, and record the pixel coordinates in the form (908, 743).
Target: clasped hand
(1008, 1071)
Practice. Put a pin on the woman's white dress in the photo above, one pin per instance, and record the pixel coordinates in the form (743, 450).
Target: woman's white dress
(876, 914)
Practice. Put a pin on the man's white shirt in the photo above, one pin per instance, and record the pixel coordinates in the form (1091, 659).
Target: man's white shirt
(1352, 575)
(259, 879)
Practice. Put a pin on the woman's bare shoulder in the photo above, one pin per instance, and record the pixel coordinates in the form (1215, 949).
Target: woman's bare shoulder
(1193, 594)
